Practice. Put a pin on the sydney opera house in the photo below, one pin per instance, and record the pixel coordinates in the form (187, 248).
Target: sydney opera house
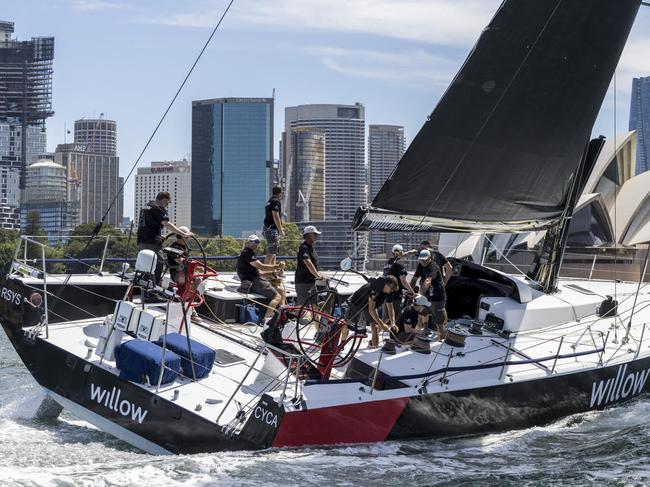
(609, 233)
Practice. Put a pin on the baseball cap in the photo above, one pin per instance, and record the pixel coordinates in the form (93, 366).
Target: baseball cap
(421, 301)
(311, 229)
(253, 238)
(398, 248)
(424, 255)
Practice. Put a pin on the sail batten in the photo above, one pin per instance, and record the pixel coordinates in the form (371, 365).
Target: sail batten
(500, 148)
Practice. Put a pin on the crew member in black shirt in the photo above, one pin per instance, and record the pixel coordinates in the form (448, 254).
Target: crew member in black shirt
(249, 268)
(432, 286)
(307, 267)
(414, 319)
(273, 229)
(153, 218)
(440, 259)
(395, 268)
(365, 301)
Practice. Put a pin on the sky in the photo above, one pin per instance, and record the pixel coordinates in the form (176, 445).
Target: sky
(126, 58)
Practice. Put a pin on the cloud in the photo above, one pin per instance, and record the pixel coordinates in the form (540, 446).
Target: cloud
(634, 62)
(408, 66)
(446, 22)
(99, 5)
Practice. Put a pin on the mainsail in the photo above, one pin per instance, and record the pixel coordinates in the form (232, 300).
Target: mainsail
(499, 150)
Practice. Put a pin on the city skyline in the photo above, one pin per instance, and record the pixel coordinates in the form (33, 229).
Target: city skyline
(396, 60)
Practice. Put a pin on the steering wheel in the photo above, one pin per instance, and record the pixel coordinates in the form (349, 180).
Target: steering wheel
(195, 250)
(318, 331)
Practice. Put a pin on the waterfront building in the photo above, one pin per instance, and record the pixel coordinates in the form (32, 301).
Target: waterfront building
(640, 121)
(306, 193)
(46, 193)
(97, 179)
(232, 159)
(98, 135)
(345, 179)
(25, 104)
(174, 177)
(386, 145)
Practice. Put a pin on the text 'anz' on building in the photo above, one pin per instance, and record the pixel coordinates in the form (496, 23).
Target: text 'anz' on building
(232, 157)
(640, 121)
(25, 104)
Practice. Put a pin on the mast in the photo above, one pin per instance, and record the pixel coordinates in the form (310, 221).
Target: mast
(546, 266)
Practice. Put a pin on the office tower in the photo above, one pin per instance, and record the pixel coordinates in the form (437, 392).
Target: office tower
(232, 155)
(46, 192)
(640, 121)
(98, 135)
(25, 104)
(305, 188)
(175, 177)
(97, 178)
(386, 146)
(344, 127)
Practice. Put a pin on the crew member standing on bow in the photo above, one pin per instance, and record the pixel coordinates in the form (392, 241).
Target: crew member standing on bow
(273, 229)
(153, 218)
(307, 268)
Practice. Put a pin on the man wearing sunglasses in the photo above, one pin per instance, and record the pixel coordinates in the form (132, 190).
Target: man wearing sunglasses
(249, 269)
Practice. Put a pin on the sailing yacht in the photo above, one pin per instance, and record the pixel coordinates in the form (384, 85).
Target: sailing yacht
(507, 149)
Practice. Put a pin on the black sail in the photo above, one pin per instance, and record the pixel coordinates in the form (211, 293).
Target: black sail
(499, 149)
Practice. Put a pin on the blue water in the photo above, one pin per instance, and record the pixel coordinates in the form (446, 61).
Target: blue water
(597, 448)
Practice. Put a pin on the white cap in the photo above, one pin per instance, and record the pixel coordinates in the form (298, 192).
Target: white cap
(398, 248)
(421, 301)
(424, 255)
(184, 229)
(253, 238)
(311, 229)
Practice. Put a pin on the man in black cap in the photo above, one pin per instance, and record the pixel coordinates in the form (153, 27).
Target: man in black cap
(273, 230)
(153, 218)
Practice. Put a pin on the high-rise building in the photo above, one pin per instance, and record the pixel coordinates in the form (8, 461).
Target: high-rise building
(386, 146)
(344, 127)
(175, 177)
(232, 157)
(306, 194)
(640, 121)
(46, 193)
(96, 177)
(98, 135)
(25, 104)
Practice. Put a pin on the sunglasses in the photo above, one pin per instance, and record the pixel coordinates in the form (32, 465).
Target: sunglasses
(254, 241)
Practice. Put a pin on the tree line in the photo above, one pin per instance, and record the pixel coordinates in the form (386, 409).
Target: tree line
(121, 245)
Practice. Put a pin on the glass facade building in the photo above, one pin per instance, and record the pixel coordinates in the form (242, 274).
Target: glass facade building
(232, 156)
(640, 121)
(306, 193)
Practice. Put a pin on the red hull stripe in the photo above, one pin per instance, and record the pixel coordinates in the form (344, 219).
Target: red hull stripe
(352, 423)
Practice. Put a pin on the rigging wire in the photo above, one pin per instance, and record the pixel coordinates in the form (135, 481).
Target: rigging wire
(171, 103)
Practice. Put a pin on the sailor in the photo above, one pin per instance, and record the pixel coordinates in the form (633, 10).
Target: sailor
(414, 319)
(395, 268)
(250, 269)
(307, 268)
(153, 218)
(432, 286)
(176, 260)
(365, 302)
(440, 259)
(273, 229)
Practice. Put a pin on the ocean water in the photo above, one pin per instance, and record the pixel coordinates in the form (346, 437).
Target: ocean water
(611, 447)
